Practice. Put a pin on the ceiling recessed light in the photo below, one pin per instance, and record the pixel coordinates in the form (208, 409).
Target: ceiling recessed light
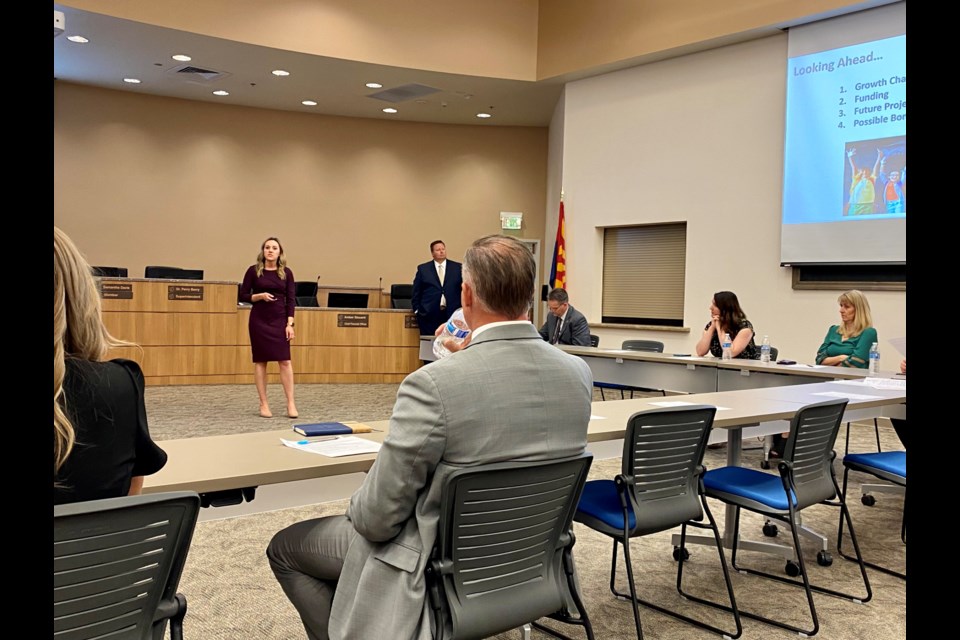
(132, 80)
(221, 92)
(374, 85)
(484, 115)
(309, 103)
(389, 110)
(280, 72)
(77, 39)
(181, 58)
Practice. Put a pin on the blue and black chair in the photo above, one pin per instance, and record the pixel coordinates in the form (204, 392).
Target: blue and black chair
(890, 466)
(660, 487)
(653, 346)
(806, 478)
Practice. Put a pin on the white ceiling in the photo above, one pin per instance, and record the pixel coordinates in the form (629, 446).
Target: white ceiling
(119, 49)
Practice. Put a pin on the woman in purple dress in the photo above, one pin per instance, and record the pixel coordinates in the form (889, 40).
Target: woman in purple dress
(270, 287)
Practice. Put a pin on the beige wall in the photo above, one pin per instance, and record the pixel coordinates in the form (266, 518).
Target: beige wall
(698, 139)
(144, 180)
(575, 35)
(495, 38)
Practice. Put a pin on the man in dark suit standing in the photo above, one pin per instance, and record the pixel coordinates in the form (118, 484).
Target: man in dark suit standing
(436, 289)
(564, 325)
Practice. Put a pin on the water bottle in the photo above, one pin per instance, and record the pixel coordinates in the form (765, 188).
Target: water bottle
(765, 350)
(727, 344)
(873, 368)
(455, 329)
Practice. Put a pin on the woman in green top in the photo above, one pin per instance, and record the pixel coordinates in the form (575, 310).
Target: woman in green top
(848, 344)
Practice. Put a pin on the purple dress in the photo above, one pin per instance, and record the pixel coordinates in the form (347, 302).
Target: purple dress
(268, 320)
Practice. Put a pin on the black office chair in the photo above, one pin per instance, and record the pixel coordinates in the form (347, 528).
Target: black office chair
(806, 478)
(109, 272)
(652, 346)
(660, 487)
(503, 556)
(117, 563)
(173, 273)
(401, 296)
(307, 294)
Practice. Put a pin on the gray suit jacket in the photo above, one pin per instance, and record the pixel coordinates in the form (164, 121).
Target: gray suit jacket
(575, 329)
(507, 396)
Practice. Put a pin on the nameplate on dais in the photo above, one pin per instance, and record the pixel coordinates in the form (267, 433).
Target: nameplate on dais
(353, 319)
(116, 290)
(184, 292)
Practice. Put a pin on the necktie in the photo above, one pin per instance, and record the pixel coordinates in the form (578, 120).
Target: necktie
(443, 298)
(556, 334)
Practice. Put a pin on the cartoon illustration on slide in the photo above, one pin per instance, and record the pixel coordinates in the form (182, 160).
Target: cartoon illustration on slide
(880, 188)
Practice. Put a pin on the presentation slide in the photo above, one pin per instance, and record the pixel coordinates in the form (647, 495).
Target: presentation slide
(845, 150)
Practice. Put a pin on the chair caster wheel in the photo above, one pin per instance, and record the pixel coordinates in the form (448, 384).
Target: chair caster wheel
(824, 559)
(770, 530)
(868, 500)
(677, 552)
(792, 569)
(764, 464)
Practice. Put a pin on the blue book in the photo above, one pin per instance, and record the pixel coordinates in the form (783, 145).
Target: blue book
(329, 429)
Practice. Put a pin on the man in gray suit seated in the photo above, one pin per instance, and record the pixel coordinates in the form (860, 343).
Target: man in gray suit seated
(506, 396)
(564, 325)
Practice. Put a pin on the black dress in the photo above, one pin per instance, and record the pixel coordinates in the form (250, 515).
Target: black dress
(750, 352)
(104, 401)
(268, 320)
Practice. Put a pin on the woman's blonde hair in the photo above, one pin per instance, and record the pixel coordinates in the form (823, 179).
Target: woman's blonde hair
(78, 331)
(281, 260)
(862, 317)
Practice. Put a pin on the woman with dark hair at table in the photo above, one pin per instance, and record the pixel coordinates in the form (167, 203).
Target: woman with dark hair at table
(101, 444)
(726, 316)
(270, 287)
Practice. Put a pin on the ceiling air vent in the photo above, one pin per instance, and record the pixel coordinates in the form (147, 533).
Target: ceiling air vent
(403, 93)
(198, 73)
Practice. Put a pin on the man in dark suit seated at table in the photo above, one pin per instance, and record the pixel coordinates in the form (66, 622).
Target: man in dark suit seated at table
(564, 325)
(361, 575)
(436, 289)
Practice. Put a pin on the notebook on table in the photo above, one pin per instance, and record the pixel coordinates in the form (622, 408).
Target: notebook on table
(330, 428)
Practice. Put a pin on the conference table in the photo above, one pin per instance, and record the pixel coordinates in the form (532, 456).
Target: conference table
(215, 466)
(687, 373)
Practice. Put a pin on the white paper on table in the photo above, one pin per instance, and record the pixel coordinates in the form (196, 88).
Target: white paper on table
(897, 384)
(336, 447)
(681, 403)
(851, 396)
(900, 344)
(593, 417)
(812, 366)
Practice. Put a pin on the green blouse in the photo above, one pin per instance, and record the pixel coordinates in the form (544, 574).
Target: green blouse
(857, 347)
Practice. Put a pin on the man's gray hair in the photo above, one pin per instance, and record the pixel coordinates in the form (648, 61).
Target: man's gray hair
(559, 295)
(503, 273)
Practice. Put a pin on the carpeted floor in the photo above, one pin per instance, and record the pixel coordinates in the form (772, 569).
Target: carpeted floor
(233, 595)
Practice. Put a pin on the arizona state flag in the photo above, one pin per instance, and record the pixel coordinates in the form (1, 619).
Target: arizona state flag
(558, 271)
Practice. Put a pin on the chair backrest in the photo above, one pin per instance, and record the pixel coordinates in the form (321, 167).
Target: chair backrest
(809, 451)
(175, 273)
(774, 354)
(642, 345)
(306, 289)
(503, 528)
(401, 296)
(110, 272)
(117, 561)
(594, 340)
(307, 294)
(663, 463)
